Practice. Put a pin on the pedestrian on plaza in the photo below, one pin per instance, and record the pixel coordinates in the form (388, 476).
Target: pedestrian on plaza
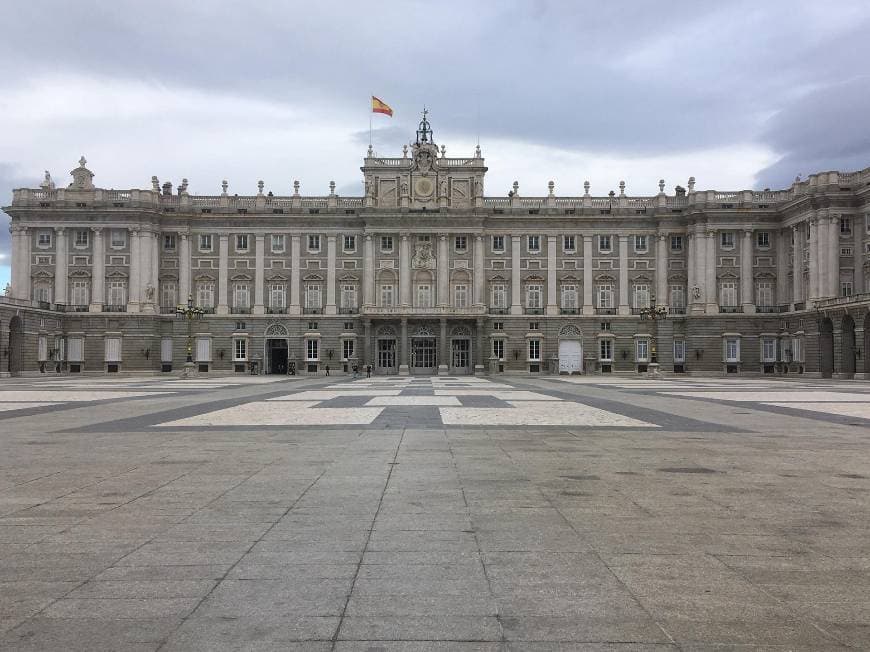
(355, 371)
(327, 370)
(368, 371)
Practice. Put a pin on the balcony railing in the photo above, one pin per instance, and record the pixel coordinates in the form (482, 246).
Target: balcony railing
(533, 311)
(43, 305)
(348, 310)
(122, 307)
(429, 312)
(800, 305)
(730, 309)
(165, 310)
(568, 311)
(839, 301)
(309, 310)
(276, 310)
(71, 307)
(605, 311)
(207, 310)
(240, 310)
(499, 311)
(677, 310)
(771, 309)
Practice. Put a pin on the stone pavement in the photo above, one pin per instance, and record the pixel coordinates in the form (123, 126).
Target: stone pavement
(434, 514)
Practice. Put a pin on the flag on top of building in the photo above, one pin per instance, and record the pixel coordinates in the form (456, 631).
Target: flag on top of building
(379, 106)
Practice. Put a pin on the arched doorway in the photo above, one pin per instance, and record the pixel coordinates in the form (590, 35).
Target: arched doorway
(460, 351)
(847, 361)
(826, 348)
(570, 350)
(386, 358)
(276, 349)
(16, 345)
(424, 352)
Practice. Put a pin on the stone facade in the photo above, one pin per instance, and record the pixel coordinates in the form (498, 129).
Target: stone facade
(427, 274)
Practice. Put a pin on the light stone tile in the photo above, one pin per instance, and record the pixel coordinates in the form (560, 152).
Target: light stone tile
(61, 396)
(321, 395)
(540, 413)
(278, 413)
(414, 400)
(518, 395)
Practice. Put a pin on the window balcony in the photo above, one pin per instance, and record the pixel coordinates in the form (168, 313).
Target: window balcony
(568, 311)
(800, 305)
(348, 310)
(771, 309)
(207, 310)
(240, 310)
(276, 310)
(164, 310)
(730, 309)
(431, 311)
(605, 311)
(677, 310)
(311, 310)
(72, 307)
(533, 311)
(499, 311)
(122, 307)
(43, 305)
(635, 311)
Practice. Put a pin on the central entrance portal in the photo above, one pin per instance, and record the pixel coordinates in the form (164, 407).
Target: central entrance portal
(276, 355)
(387, 357)
(424, 355)
(460, 360)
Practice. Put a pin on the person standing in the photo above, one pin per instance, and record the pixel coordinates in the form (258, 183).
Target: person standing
(368, 371)
(327, 370)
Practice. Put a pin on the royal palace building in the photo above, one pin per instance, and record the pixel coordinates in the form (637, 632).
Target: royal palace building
(426, 274)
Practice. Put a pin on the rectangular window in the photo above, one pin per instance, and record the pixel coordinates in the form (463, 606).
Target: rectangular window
(81, 238)
(42, 292)
(424, 295)
(679, 351)
(277, 295)
(845, 225)
(241, 242)
(797, 349)
(386, 243)
(79, 293)
(569, 297)
(569, 243)
(205, 242)
(312, 349)
(460, 296)
(348, 296)
(640, 243)
(42, 349)
(846, 251)
(605, 350)
(313, 243)
(118, 239)
(533, 296)
(387, 296)
(499, 296)
(604, 295)
(460, 243)
(498, 348)
(845, 288)
(768, 349)
(533, 243)
(75, 353)
(498, 325)
(43, 239)
(728, 293)
(764, 293)
(241, 295)
(534, 326)
(203, 349)
(534, 350)
(676, 243)
(205, 294)
(640, 295)
(641, 350)
(498, 243)
(732, 350)
(678, 297)
(169, 242)
(113, 349)
(726, 240)
(347, 349)
(277, 242)
(762, 239)
(312, 296)
(240, 349)
(168, 295)
(604, 243)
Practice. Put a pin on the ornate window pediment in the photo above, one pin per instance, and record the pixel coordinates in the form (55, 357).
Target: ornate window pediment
(348, 278)
(458, 331)
(204, 277)
(605, 278)
(312, 277)
(276, 330)
(386, 331)
(276, 277)
(241, 277)
(423, 331)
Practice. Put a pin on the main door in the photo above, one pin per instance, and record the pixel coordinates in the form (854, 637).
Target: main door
(460, 359)
(570, 356)
(276, 354)
(386, 357)
(424, 358)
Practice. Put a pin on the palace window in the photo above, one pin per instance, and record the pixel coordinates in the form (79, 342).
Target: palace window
(676, 243)
(424, 295)
(118, 239)
(679, 351)
(726, 240)
(205, 243)
(43, 239)
(678, 297)
(117, 294)
(347, 349)
(605, 244)
(277, 295)
(460, 296)
(846, 251)
(386, 243)
(641, 350)
(277, 243)
(728, 293)
(312, 350)
(386, 298)
(348, 296)
(168, 294)
(313, 243)
(569, 243)
(241, 296)
(762, 239)
(460, 243)
(534, 350)
(640, 244)
(533, 243)
(498, 243)
(605, 349)
(568, 299)
(845, 288)
(205, 294)
(640, 295)
(768, 349)
(498, 295)
(241, 242)
(604, 295)
(81, 238)
(312, 296)
(169, 242)
(42, 291)
(533, 296)
(845, 225)
(764, 293)
(498, 348)
(732, 349)
(349, 243)
(797, 349)
(498, 325)
(240, 349)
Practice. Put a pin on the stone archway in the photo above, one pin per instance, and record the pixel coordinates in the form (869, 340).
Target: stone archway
(826, 348)
(847, 359)
(16, 345)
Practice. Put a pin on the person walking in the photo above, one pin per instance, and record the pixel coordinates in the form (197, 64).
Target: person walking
(327, 370)
(368, 371)
(355, 372)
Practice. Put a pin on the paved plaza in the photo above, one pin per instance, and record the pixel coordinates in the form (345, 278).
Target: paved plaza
(437, 513)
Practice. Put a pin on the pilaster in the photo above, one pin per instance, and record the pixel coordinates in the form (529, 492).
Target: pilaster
(133, 299)
(516, 305)
(330, 276)
(404, 270)
(588, 306)
(552, 305)
(624, 308)
(711, 267)
(259, 273)
(61, 294)
(443, 272)
(662, 269)
(746, 299)
(223, 274)
(479, 260)
(184, 268)
(295, 307)
(368, 271)
(98, 283)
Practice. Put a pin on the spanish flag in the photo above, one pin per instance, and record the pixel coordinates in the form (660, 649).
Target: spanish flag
(381, 107)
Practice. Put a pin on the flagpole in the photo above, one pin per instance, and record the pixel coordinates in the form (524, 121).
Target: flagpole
(370, 123)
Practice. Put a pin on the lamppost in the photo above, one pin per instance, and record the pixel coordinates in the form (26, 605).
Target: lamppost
(656, 314)
(189, 312)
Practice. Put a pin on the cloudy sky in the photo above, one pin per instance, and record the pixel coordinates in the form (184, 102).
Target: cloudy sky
(739, 94)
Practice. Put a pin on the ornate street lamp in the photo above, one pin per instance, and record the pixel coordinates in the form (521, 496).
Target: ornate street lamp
(189, 312)
(655, 314)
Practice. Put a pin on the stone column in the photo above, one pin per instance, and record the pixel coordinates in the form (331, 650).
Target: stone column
(61, 295)
(814, 261)
(480, 345)
(223, 307)
(259, 273)
(691, 252)
(797, 265)
(21, 260)
(711, 260)
(443, 352)
(858, 255)
(155, 264)
(746, 298)
(184, 290)
(443, 271)
(150, 264)
(366, 345)
(588, 282)
(822, 249)
(516, 289)
(479, 281)
(368, 271)
(403, 349)
(552, 303)
(624, 308)
(134, 297)
(662, 269)
(834, 257)
(330, 276)
(404, 270)
(98, 289)
(295, 280)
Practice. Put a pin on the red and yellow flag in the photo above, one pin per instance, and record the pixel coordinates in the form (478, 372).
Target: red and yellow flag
(381, 107)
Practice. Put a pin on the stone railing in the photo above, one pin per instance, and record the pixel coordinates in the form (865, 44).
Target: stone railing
(838, 302)
(435, 311)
